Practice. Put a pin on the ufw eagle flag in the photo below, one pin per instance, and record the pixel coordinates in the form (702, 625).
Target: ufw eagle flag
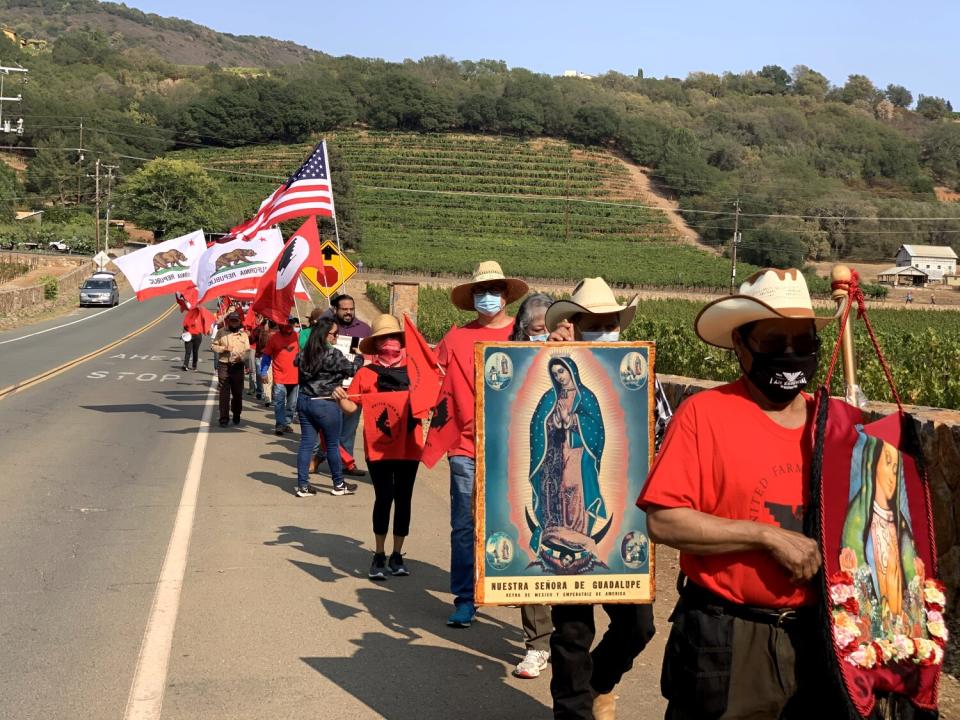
(275, 293)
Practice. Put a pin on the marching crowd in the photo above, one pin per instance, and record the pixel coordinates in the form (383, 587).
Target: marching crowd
(741, 641)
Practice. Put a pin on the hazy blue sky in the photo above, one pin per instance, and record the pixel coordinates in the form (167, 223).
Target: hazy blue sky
(891, 42)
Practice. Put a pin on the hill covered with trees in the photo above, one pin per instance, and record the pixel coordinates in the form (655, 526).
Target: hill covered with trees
(820, 171)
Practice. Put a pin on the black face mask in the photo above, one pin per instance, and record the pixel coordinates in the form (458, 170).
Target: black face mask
(780, 376)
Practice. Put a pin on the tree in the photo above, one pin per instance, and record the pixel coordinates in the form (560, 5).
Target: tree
(771, 247)
(899, 96)
(9, 191)
(810, 82)
(933, 108)
(170, 197)
(594, 125)
(779, 77)
(479, 112)
(940, 151)
(859, 88)
(52, 174)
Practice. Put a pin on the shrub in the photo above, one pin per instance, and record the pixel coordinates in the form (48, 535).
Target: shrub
(50, 287)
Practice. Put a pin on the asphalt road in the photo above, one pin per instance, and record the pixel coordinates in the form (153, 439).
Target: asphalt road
(276, 618)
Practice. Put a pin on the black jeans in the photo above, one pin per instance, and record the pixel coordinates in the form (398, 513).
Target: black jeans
(191, 347)
(230, 385)
(578, 673)
(393, 485)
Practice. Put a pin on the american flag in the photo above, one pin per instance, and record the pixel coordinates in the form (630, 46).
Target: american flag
(307, 192)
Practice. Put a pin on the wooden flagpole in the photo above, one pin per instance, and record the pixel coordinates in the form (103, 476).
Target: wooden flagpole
(853, 394)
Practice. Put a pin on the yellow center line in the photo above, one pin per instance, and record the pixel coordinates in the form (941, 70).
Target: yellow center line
(46, 375)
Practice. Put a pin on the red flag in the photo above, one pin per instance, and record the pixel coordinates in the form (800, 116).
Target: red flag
(453, 413)
(275, 294)
(423, 369)
(389, 430)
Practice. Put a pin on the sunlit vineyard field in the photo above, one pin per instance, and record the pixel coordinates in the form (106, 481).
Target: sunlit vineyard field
(438, 204)
(922, 347)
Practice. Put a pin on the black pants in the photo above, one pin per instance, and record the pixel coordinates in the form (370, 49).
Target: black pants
(393, 485)
(230, 385)
(579, 673)
(191, 348)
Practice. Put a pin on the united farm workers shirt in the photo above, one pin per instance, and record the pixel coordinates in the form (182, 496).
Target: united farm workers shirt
(723, 456)
(282, 348)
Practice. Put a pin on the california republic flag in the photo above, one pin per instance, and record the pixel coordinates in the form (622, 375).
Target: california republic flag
(165, 268)
(231, 267)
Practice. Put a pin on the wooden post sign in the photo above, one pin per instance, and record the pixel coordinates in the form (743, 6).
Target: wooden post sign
(564, 445)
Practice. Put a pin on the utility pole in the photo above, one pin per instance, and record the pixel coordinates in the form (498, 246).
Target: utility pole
(5, 125)
(106, 231)
(80, 163)
(734, 243)
(97, 193)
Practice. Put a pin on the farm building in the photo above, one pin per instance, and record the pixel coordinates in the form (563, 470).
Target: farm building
(904, 276)
(935, 260)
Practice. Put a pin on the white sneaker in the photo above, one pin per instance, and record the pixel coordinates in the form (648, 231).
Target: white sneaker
(531, 665)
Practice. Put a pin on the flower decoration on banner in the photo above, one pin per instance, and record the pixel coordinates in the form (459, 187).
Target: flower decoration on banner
(853, 631)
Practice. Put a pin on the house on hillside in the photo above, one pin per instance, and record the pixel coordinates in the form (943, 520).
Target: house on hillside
(935, 260)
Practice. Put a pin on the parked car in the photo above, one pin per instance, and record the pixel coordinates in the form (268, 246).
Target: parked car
(100, 289)
(58, 246)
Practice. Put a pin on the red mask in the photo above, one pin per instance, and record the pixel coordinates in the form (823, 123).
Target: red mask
(389, 351)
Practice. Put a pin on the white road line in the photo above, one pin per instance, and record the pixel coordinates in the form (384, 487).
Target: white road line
(150, 678)
(85, 317)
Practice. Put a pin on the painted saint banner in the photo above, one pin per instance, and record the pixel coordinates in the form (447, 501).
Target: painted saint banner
(564, 445)
(165, 268)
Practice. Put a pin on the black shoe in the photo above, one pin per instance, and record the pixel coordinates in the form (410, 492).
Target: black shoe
(355, 472)
(396, 565)
(183, 367)
(378, 568)
(304, 491)
(236, 420)
(194, 368)
(344, 489)
(224, 422)
(278, 431)
(288, 428)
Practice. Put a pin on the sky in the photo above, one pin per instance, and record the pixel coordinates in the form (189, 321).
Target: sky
(889, 42)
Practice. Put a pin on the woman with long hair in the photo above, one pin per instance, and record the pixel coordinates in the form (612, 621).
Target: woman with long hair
(323, 369)
(394, 448)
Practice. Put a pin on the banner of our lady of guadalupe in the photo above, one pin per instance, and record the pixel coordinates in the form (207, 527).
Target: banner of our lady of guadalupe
(564, 444)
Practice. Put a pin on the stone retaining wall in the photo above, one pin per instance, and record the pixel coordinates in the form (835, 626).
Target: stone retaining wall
(940, 437)
(17, 299)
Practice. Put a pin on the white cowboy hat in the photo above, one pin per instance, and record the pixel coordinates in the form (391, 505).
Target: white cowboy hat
(766, 295)
(593, 296)
(487, 271)
(382, 325)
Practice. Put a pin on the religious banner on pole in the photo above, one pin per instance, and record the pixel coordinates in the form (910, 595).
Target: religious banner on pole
(564, 445)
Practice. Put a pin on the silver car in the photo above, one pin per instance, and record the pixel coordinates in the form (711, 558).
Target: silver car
(100, 290)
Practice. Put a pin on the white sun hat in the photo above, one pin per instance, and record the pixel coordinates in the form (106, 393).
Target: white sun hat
(487, 271)
(766, 295)
(592, 296)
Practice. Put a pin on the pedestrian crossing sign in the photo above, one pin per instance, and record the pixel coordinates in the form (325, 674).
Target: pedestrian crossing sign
(336, 270)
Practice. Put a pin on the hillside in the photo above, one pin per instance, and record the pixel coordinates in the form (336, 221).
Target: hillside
(177, 41)
(440, 203)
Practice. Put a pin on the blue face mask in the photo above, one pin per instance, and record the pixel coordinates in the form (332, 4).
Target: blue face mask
(601, 336)
(538, 338)
(486, 303)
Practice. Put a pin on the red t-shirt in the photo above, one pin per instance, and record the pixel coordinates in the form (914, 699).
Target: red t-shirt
(198, 320)
(401, 445)
(458, 345)
(282, 349)
(723, 456)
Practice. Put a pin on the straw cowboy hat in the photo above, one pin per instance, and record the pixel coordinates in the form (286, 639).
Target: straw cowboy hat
(766, 295)
(383, 325)
(593, 296)
(487, 271)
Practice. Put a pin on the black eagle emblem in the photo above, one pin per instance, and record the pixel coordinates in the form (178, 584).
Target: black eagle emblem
(383, 424)
(441, 414)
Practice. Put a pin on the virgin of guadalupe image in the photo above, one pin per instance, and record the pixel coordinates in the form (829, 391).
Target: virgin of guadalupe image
(877, 543)
(567, 437)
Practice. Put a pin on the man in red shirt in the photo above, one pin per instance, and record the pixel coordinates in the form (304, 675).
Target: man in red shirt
(729, 489)
(282, 348)
(488, 293)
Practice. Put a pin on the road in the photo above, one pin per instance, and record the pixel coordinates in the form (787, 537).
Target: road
(274, 617)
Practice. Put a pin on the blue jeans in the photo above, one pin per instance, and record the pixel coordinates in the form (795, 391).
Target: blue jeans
(318, 416)
(284, 401)
(348, 434)
(461, 528)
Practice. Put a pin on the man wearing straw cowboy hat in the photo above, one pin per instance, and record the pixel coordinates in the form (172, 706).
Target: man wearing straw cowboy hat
(583, 682)
(488, 293)
(727, 490)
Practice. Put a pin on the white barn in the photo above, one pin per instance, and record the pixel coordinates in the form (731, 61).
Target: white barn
(935, 260)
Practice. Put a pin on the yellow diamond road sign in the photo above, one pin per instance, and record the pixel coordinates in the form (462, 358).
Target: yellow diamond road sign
(336, 270)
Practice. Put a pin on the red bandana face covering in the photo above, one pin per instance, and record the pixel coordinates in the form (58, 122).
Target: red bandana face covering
(389, 351)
